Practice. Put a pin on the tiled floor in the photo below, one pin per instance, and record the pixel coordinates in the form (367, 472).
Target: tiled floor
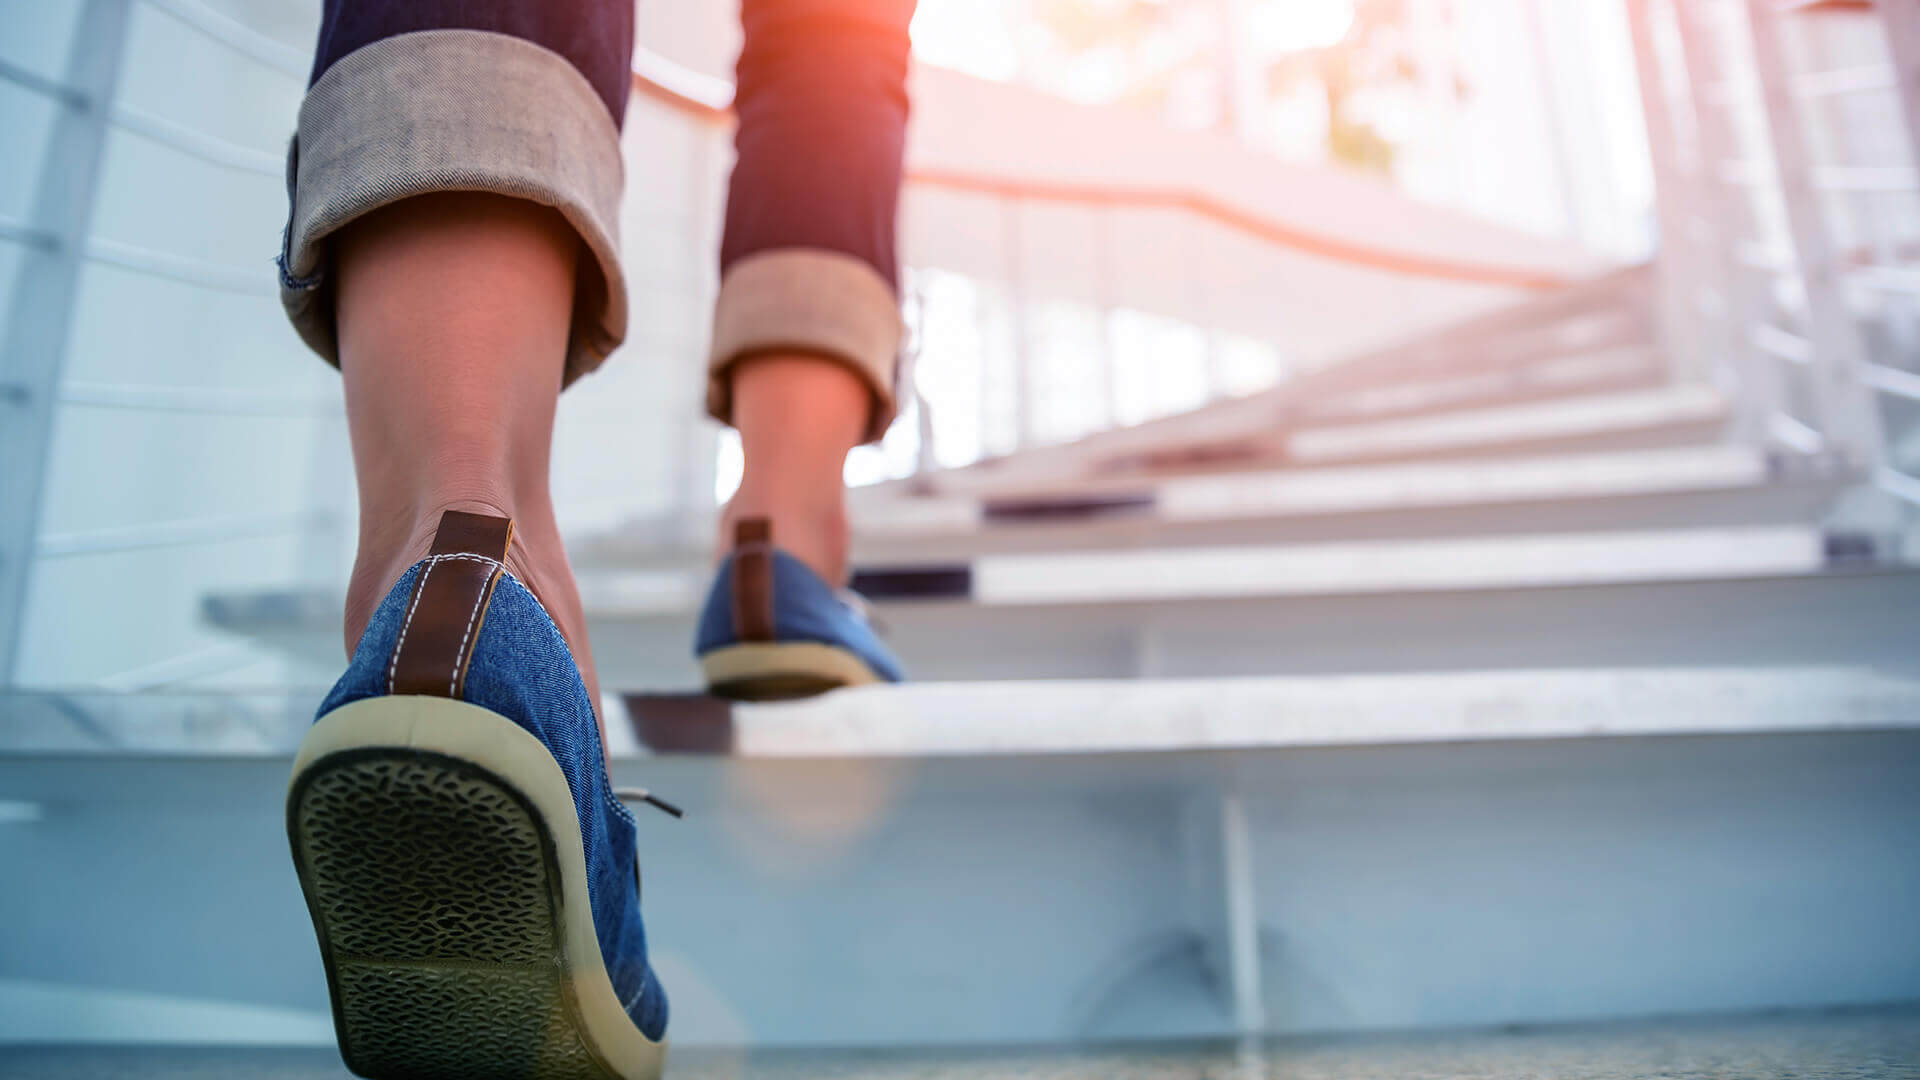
(1831, 1046)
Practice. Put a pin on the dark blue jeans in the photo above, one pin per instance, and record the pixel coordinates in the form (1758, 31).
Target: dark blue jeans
(808, 257)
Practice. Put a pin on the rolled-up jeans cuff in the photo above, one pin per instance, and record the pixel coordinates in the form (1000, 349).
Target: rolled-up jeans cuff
(454, 110)
(807, 300)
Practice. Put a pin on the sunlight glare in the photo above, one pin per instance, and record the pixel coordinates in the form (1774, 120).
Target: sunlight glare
(1282, 26)
(971, 36)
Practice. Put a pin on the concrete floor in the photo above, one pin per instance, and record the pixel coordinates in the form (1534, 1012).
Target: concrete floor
(1801, 1046)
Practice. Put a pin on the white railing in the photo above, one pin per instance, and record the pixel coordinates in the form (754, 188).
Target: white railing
(1066, 243)
(1784, 138)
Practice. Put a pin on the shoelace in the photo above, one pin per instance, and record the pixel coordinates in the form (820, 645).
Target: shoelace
(857, 604)
(640, 794)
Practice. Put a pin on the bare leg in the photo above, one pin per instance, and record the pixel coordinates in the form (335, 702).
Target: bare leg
(798, 417)
(453, 314)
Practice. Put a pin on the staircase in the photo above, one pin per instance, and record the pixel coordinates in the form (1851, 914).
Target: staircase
(1520, 460)
(1488, 679)
(1510, 492)
(1556, 663)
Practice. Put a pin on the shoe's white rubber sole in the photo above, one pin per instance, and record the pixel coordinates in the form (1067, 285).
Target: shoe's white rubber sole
(759, 671)
(440, 854)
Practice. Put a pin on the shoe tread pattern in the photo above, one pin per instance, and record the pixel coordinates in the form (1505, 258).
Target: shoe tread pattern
(434, 891)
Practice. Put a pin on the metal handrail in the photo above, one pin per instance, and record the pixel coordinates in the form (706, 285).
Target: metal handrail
(227, 31)
(709, 101)
(33, 82)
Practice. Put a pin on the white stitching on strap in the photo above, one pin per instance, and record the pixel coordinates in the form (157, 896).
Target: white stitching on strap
(470, 558)
(485, 591)
(419, 587)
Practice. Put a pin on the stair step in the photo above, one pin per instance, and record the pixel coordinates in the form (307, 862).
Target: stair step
(1676, 413)
(1439, 484)
(1145, 716)
(1390, 566)
(1136, 573)
(1336, 857)
(641, 621)
(1330, 490)
(1664, 488)
(1567, 374)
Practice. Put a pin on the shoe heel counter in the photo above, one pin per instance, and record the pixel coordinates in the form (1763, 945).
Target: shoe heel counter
(448, 606)
(751, 594)
(424, 637)
(739, 606)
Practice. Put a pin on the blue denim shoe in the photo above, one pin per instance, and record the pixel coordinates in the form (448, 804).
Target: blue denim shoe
(772, 628)
(470, 873)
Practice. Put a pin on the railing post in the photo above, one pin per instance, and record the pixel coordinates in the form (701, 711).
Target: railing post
(1103, 310)
(913, 303)
(1561, 133)
(1200, 302)
(1902, 24)
(983, 335)
(1677, 265)
(1849, 416)
(40, 314)
(1025, 425)
(1758, 378)
(1243, 77)
(1222, 889)
(696, 442)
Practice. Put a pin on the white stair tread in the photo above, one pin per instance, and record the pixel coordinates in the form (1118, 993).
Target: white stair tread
(1391, 566)
(1597, 415)
(1127, 575)
(1436, 484)
(1360, 488)
(1582, 370)
(1141, 716)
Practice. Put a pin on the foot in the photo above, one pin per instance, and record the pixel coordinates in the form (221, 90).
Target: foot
(473, 879)
(772, 628)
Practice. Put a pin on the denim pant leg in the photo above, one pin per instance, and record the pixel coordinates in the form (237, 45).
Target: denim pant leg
(522, 98)
(808, 262)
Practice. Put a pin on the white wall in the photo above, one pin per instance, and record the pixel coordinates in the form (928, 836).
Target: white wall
(187, 424)
(198, 447)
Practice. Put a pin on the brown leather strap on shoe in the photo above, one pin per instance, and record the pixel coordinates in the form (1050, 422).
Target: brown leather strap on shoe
(753, 579)
(449, 604)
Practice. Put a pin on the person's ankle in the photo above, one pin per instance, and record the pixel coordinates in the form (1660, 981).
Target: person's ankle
(393, 540)
(798, 415)
(814, 530)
